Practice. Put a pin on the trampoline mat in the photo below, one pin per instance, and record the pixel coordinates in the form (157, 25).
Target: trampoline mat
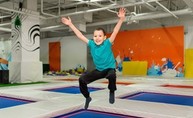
(161, 98)
(10, 102)
(72, 89)
(93, 114)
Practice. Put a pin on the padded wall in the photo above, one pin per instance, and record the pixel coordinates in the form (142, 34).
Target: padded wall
(189, 63)
(135, 68)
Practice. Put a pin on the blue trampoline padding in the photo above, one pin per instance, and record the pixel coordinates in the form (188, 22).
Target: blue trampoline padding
(9, 102)
(72, 89)
(93, 114)
(162, 98)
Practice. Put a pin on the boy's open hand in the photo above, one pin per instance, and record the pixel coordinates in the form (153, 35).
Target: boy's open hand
(121, 13)
(66, 21)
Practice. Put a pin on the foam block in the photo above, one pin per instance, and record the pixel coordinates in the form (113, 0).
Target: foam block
(134, 68)
(189, 63)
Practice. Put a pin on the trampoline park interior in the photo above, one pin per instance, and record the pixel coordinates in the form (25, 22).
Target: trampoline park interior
(42, 59)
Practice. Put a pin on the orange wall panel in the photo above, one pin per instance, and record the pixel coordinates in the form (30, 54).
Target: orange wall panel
(152, 45)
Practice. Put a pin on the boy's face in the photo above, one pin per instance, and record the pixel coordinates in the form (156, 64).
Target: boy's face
(99, 37)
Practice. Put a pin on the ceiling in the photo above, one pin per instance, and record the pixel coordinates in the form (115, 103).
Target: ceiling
(86, 14)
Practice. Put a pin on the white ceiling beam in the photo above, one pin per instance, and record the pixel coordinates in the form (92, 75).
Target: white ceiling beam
(101, 6)
(21, 12)
(149, 6)
(5, 16)
(81, 12)
(5, 29)
(146, 16)
(42, 10)
(142, 16)
(189, 3)
(112, 6)
(4, 24)
(166, 9)
(155, 15)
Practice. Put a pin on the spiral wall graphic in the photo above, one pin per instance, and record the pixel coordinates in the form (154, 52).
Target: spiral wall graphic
(30, 38)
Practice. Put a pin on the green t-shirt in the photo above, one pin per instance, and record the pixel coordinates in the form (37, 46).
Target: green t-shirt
(102, 55)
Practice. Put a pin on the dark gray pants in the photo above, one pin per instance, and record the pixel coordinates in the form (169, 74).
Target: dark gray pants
(94, 75)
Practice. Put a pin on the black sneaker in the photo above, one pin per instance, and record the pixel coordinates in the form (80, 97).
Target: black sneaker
(87, 102)
(111, 97)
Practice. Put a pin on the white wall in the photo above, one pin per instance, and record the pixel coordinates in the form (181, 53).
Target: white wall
(189, 38)
(73, 51)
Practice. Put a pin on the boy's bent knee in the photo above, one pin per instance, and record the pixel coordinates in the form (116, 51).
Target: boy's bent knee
(81, 79)
(111, 76)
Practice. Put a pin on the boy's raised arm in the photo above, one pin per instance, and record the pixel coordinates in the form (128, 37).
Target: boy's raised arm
(116, 29)
(68, 22)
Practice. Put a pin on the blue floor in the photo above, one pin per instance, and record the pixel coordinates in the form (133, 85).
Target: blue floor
(72, 89)
(93, 114)
(162, 98)
(10, 102)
